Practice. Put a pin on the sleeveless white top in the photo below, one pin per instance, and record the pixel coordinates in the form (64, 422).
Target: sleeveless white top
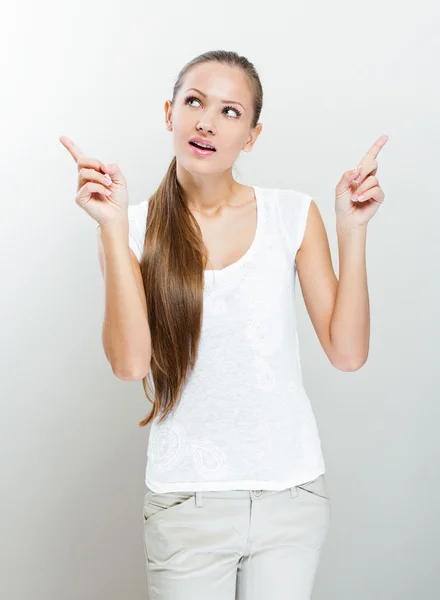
(244, 420)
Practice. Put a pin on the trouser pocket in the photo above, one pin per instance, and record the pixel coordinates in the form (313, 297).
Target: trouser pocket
(155, 503)
(317, 488)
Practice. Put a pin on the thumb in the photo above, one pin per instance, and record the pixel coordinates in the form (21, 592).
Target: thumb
(350, 175)
(114, 171)
(347, 179)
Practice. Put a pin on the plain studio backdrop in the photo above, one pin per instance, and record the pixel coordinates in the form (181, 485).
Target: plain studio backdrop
(73, 457)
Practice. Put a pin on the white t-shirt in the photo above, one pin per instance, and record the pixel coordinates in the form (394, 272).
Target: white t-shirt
(244, 420)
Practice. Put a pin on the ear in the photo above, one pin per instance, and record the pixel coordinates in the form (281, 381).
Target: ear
(253, 137)
(168, 113)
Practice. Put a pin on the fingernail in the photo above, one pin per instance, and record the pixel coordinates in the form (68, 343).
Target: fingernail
(354, 197)
(108, 178)
(358, 179)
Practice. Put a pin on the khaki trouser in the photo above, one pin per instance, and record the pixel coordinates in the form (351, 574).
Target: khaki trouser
(235, 544)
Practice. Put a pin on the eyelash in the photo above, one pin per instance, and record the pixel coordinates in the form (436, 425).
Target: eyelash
(225, 108)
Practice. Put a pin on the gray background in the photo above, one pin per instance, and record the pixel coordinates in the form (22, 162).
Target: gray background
(73, 458)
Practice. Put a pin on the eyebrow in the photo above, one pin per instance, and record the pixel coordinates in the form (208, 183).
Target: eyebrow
(223, 101)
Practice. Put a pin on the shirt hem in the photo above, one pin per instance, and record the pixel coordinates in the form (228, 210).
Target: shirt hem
(243, 484)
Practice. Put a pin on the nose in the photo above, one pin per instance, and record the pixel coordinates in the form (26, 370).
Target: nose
(204, 127)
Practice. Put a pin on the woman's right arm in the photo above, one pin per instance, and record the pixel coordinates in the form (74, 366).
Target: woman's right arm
(125, 333)
(102, 194)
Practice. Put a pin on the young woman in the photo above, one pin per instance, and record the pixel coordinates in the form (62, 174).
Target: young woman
(201, 302)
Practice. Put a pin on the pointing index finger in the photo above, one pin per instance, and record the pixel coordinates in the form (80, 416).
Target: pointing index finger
(71, 147)
(377, 146)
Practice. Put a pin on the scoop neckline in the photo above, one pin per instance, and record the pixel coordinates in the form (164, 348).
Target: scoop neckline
(250, 251)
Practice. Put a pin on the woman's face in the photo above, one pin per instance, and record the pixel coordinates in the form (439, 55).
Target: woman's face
(226, 125)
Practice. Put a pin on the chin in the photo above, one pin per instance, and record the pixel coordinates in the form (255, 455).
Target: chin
(199, 166)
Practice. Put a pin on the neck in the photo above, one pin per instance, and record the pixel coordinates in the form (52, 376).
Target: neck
(208, 193)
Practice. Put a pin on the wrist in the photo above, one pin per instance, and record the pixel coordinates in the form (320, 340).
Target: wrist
(115, 226)
(346, 229)
(114, 233)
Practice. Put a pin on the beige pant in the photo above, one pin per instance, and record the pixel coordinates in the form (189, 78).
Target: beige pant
(237, 544)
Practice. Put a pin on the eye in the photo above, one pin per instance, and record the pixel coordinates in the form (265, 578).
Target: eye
(234, 109)
(189, 99)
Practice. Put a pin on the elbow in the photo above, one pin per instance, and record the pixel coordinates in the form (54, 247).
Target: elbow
(349, 364)
(131, 374)
(124, 368)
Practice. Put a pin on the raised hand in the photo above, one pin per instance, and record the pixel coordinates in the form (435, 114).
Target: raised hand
(102, 189)
(358, 193)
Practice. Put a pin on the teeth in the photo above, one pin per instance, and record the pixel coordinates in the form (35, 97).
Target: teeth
(204, 145)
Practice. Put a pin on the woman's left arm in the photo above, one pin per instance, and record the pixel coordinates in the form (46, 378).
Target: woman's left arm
(339, 310)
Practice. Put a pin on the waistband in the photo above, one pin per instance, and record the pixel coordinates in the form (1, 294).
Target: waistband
(237, 494)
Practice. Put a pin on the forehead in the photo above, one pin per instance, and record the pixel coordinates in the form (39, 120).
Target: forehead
(219, 81)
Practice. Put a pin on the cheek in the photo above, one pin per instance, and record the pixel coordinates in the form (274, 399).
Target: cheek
(182, 132)
(233, 147)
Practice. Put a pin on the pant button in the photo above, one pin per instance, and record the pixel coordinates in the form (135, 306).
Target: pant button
(258, 492)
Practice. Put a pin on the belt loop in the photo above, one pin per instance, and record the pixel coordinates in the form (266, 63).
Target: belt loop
(293, 491)
(199, 499)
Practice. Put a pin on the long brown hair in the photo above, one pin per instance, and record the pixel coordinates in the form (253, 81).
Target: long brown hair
(172, 266)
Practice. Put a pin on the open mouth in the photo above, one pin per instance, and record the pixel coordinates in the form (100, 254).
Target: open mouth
(204, 148)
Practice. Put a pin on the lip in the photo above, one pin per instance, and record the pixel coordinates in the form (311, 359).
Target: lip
(200, 152)
(201, 140)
